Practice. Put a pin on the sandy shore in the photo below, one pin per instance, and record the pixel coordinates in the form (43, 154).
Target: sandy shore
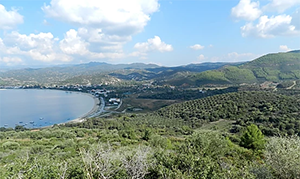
(94, 110)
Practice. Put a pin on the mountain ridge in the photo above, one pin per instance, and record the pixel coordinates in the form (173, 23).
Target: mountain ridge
(274, 67)
(134, 71)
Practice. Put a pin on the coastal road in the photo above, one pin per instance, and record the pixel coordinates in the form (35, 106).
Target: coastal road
(101, 108)
(119, 105)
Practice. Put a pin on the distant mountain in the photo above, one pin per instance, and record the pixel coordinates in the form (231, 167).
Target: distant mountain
(57, 74)
(101, 73)
(164, 73)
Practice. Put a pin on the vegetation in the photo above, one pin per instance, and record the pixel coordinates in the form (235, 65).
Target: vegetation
(271, 67)
(253, 138)
(187, 94)
(162, 146)
(248, 131)
(275, 114)
(143, 147)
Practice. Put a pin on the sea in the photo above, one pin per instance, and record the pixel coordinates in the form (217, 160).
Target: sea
(34, 108)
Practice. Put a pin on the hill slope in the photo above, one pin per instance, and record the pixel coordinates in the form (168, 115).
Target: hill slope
(274, 67)
(273, 112)
(270, 67)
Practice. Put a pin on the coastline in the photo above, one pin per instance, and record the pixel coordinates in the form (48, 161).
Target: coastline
(94, 110)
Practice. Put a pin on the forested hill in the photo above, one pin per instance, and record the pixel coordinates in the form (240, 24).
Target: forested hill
(273, 67)
(275, 113)
(270, 67)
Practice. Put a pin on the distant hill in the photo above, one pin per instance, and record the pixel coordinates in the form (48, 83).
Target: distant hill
(222, 76)
(101, 73)
(274, 67)
(271, 67)
(58, 73)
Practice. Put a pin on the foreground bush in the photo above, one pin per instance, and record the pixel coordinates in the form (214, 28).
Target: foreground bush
(283, 156)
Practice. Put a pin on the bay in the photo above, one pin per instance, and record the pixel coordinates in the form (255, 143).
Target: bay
(38, 108)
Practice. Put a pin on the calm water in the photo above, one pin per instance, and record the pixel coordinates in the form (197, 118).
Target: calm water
(36, 108)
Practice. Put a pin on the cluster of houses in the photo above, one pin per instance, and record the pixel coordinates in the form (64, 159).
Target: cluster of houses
(98, 92)
(114, 101)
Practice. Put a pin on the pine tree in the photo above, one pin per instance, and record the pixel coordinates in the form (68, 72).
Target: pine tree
(253, 138)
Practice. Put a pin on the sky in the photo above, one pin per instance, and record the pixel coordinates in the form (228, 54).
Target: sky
(38, 33)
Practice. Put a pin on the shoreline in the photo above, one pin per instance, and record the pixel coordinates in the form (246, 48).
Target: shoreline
(94, 110)
(82, 118)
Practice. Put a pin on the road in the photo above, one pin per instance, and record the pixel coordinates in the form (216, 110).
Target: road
(101, 108)
(292, 85)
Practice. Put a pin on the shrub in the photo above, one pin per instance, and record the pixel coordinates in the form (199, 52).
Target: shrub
(10, 145)
(282, 156)
(253, 138)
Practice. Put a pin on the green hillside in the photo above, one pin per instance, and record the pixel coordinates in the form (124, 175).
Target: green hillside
(274, 67)
(226, 75)
(275, 113)
(271, 67)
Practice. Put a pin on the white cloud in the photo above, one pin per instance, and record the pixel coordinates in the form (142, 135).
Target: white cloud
(103, 41)
(75, 47)
(33, 47)
(73, 44)
(9, 61)
(264, 25)
(152, 45)
(236, 57)
(197, 47)
(42, 41)
(246, 10)
(9, 19)
(270, 27)
(201, 57)
(284, 48)
(280, 5)
(104, 26)
(39, 47)
(91, 44)
(113, 16)
(49, 56)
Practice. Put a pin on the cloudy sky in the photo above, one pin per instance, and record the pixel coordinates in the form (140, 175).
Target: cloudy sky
(164, 32)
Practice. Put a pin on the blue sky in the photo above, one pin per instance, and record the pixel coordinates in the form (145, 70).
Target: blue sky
(166, 32)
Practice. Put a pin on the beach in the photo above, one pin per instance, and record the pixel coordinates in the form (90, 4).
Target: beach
(94, 110)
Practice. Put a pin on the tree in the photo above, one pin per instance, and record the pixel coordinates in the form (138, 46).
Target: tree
(253, 138)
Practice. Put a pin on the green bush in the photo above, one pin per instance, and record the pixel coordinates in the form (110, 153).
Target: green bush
(253, 138)
(159, 141)
(10, 145)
